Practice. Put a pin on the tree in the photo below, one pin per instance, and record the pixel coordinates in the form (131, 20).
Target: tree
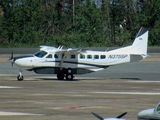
(76, 23)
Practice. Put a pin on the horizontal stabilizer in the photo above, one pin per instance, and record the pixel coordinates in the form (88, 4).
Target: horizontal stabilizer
(137, 57)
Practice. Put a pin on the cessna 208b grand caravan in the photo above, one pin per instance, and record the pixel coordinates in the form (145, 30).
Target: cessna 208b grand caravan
(66, 62)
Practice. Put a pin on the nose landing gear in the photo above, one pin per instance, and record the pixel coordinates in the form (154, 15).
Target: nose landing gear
(20, 76)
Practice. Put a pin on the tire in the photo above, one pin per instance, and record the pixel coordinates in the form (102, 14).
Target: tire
(19, 77)
(69, 76)
(69, 70)
(60, 76)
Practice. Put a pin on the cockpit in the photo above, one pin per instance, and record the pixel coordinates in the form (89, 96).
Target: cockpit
(158, 107)
(40, 54)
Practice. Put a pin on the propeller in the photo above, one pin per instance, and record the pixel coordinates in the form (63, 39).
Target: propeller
(97, 116)
(11, 58)
(120, 116)
(100, 118)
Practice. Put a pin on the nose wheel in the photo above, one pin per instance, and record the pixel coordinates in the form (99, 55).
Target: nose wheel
(20, 76)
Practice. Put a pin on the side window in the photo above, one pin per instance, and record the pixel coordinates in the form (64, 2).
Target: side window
(49, 56)
(96, 56)
(55, 56)
(158, 108)
(82, 56)
(73, 56)
(89, 56)
(103, 56)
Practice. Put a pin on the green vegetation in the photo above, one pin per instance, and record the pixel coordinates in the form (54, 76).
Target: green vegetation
(77, 23)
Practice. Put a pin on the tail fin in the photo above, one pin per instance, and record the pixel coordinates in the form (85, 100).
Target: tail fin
(139, 46)
(140, 43)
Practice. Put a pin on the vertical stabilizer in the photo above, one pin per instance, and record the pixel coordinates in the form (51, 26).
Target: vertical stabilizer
(139, 46)
(140, 43)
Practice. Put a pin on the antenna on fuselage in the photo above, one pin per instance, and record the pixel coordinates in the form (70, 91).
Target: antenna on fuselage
(60, 47)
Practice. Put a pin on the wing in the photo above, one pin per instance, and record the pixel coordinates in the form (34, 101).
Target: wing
(67, 52)
(70, 51)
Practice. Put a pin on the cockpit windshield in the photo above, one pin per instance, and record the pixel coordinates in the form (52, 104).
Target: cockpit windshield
(40, 54)
(158, 107)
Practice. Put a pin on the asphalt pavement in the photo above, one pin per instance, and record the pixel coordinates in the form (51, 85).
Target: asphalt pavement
(129, 87)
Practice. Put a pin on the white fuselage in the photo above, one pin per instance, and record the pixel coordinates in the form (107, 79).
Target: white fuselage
(92, 60)
(150, 114)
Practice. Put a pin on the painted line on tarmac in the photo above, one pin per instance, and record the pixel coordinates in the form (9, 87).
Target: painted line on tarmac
(145, 81)
(2, 113)
(1, 87)
(128, 93)
(7, 75)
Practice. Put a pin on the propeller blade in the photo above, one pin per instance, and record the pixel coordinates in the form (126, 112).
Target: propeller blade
(12, 54)
(11, 58)
(97, 116)
(12, 64)
(120, 116)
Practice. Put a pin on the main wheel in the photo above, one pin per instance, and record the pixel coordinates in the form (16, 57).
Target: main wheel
(60, 76)
(20, 77)
(69, 76)
(69, 70)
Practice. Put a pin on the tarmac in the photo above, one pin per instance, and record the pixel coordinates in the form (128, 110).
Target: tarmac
(129, 87)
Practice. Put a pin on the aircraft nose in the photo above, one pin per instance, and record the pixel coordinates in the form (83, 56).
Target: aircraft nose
(22, 61)
(14, 60)
(140, 114)
(145, 113)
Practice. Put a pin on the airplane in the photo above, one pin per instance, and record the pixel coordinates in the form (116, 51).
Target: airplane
(117, 118)
(150, 114)
(67, 62)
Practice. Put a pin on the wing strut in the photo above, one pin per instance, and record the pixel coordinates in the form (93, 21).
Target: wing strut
(63, 57)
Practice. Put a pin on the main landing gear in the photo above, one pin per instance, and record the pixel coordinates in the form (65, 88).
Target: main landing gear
(68, 75)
